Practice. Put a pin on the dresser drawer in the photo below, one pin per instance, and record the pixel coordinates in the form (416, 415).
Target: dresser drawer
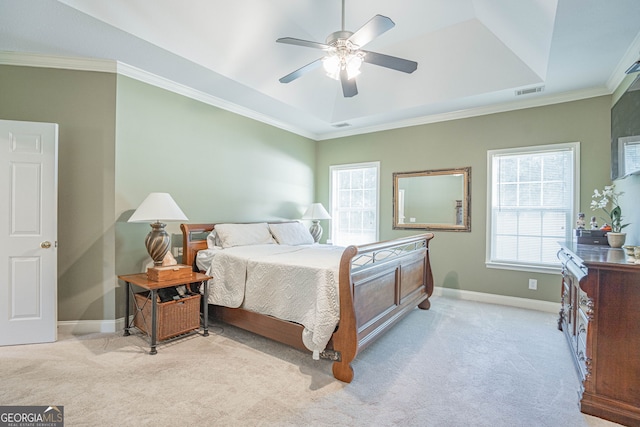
(566, 313)
(581, 349)
(581, 334)
(585, 304)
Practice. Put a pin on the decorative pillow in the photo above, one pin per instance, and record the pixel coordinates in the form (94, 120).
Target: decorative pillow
(291, 233)
(243, 234)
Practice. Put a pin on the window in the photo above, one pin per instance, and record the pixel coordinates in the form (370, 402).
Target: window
(532, 193)
(354, 203)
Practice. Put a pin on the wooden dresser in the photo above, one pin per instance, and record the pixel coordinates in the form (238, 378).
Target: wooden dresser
(600, 317)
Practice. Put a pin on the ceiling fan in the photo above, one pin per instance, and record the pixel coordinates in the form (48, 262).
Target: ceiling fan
(344, 54)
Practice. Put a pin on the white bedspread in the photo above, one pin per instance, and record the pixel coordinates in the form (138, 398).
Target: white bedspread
(294, 283)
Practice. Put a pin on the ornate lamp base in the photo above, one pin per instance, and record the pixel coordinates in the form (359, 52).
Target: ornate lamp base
(316, 231)
(157, 243)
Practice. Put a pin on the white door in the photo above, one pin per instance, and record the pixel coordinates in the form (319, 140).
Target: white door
(28, 232)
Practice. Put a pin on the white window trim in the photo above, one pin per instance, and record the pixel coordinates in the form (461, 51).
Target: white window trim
(536, 268)
(357, 166)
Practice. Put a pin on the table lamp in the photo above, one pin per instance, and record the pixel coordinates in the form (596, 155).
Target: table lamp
(315, 213)
(158, 208)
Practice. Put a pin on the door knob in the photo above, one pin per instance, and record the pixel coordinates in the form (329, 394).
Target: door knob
(45, 245)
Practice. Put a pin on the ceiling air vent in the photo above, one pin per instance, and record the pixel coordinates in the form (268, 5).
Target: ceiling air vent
(530, 90)
(341, 125)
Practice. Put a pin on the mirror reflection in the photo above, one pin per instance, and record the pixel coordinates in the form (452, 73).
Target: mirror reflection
(432, 200)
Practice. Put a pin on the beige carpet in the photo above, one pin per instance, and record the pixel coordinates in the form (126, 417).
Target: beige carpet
(459, 364)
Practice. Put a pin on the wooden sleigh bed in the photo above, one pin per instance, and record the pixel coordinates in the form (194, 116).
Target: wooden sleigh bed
(379, 283)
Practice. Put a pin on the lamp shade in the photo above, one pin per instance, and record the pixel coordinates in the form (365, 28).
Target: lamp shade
(315, 212)
(158, 207)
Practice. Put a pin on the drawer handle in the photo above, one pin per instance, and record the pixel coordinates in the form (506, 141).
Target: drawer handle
(587, 364)
(588, 302)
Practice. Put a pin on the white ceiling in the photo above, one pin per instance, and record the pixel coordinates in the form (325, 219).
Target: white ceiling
(472, 54)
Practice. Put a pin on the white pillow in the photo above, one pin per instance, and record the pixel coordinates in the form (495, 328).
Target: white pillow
(213, 240)
(243, 234)
(291, 233)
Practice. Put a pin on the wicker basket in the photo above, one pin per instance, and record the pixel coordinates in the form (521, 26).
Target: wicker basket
(173, 317)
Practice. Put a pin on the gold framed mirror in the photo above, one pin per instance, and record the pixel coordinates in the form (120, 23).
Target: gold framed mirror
(437, 199)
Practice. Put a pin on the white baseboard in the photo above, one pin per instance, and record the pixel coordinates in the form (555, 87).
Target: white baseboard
(83, 327)
(531, 304)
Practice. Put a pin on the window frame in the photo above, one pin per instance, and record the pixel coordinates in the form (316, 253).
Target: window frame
(491, 154)
(332, 195)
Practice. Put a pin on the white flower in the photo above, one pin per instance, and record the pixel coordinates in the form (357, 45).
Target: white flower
(609, 196)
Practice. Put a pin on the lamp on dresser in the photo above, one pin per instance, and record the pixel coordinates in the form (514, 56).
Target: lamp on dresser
(315, 213)
(157, 209)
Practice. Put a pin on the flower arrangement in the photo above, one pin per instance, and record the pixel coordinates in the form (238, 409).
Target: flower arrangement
(602, 200)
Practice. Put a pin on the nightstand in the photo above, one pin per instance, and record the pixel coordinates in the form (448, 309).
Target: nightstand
(141, 280)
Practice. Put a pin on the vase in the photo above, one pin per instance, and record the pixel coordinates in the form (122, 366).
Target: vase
(616, 240)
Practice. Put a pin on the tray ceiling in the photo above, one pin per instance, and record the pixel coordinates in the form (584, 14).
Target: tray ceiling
(473, 55)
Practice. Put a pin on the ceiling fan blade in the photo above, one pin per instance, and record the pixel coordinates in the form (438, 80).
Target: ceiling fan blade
(392, 62)
(349, 87)
(376, 26)
(304, 43)
(300, 71)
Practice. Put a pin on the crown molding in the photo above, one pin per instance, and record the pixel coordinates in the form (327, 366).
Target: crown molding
(631, 55)
(537, 101)
(189, 92)
(23, 59)
(120, 68)
(111, 66)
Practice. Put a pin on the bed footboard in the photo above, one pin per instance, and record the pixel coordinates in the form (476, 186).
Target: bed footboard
(379, 284)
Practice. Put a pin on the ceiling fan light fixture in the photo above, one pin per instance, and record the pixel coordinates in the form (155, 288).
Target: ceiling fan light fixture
(332, 66)
(353, 65)
(344, 57)
(334, 63)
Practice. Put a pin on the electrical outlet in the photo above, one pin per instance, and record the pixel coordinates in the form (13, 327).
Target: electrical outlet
(533, 284)
(177, 251)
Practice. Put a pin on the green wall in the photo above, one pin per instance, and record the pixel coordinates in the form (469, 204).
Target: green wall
(83, 104)
(218, 166)
(459, 258)
(121, 139)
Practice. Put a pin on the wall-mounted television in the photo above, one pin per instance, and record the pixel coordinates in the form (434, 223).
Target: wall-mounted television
(625, 133)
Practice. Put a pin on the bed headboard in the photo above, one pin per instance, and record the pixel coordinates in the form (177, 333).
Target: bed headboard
(194, 238)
